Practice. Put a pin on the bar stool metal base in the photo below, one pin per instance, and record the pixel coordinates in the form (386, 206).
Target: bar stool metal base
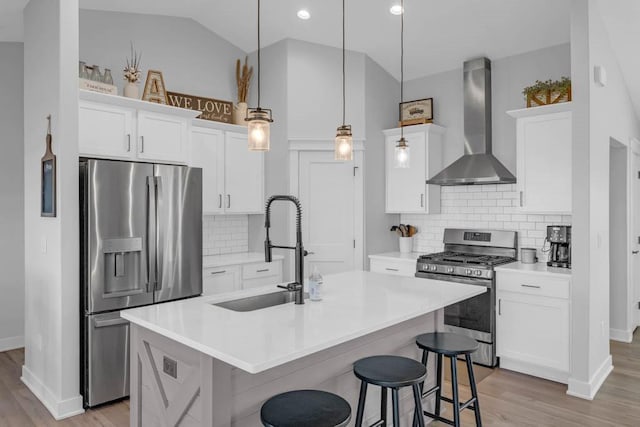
(429, 342)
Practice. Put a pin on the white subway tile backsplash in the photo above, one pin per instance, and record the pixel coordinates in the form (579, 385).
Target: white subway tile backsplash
(224, 234)
(482, 206)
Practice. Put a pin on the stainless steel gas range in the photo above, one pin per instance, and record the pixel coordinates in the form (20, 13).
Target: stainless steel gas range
(470, 257)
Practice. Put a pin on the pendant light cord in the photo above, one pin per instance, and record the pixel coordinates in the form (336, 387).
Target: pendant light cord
(401, 67)
(258, 54)
(344, 99)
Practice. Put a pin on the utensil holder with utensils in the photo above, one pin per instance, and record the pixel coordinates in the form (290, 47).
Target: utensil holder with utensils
(406, 233)
(406, 244)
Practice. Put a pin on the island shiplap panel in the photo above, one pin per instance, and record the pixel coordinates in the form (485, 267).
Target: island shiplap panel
(227, 396)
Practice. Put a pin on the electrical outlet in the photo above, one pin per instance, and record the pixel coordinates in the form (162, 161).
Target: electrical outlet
(170, 367)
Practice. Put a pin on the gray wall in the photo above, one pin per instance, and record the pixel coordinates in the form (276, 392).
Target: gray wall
(382, 94)
(315, 91)
(192, 59)
(11, 197)
(509, 76)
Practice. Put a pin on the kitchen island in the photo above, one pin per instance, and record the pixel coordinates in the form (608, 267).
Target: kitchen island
(195, 363)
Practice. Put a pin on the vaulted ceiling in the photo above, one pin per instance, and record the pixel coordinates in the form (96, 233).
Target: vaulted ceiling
(439, 34)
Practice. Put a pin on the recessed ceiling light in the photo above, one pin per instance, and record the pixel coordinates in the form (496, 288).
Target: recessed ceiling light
(396, 9)
(304, 14)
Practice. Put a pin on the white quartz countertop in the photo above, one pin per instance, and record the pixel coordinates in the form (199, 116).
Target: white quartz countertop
(398, 256)
(212, 261)
(537, 268)
(354, 304)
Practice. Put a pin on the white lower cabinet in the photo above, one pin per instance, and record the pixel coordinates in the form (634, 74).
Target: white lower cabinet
(532, 324)
(221, 279)
(229, 278)
(400, 265)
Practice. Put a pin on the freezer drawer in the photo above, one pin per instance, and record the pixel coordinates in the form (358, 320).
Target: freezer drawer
(107, 358)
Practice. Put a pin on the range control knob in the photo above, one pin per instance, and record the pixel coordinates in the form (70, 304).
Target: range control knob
(433, 267)
(469, 271)
(478, 273)
(449, 269)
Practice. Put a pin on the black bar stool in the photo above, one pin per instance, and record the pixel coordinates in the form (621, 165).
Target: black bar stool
(305, 408)
(392, 372)
(451, 346)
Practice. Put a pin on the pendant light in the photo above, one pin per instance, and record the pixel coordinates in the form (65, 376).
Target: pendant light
(259, 119)
(402, 148)
(344, 139)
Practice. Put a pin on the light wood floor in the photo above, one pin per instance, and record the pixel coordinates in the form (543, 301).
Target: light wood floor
(506, 399)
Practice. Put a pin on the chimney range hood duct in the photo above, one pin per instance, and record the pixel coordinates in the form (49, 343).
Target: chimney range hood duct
(478, 165)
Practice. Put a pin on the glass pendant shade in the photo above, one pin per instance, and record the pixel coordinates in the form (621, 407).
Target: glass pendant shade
(259, 123)
(402, 154)
(344, 144)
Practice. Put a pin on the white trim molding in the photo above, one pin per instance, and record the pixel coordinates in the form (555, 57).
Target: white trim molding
(11, 343)
(59, 409)
(588, 390)
(320, 144)
(621, 335)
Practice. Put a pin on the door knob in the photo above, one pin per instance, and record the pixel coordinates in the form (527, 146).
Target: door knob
(308, 253)
(635, 252)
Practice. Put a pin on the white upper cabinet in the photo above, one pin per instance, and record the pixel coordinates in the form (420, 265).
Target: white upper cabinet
(544, 139)
(233, 176)
(114, 127)
(243, 176)
(207, 152)
(106, 131)
(406, 188)
(162, 137)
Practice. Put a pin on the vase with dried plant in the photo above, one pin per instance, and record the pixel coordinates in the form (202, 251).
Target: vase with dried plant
(132, 74)
(243, 79)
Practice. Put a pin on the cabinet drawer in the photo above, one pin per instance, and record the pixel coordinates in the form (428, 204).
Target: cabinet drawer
(397, 268)
(220, 280)
(532, 284)
(261, 269)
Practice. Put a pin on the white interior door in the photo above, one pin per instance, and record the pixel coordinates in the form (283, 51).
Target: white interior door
(635, 238)
(327, 191)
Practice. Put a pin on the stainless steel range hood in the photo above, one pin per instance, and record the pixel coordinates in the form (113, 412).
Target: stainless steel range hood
(478, 165)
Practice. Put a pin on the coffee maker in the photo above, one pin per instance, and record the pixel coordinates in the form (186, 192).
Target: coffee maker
(559, 237)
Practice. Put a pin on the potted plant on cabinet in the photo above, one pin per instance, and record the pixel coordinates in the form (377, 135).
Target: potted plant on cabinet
(548, 92)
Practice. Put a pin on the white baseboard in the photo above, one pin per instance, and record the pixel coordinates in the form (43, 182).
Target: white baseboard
(550, 374)
(11, 343)
(588, 390)
(621, 335)
(59, 409)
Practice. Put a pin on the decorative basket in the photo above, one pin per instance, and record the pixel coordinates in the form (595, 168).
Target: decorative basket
(548, 96)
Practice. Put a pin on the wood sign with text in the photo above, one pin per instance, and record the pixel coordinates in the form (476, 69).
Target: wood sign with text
(212, 109)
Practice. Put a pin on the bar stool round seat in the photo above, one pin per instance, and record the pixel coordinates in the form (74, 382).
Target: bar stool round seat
(447, 343)
(305, 408)
(390, 372)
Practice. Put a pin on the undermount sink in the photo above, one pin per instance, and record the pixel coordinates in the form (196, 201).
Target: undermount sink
(260, 301)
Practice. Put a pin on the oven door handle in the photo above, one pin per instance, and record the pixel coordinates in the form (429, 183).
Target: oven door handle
(487, 283)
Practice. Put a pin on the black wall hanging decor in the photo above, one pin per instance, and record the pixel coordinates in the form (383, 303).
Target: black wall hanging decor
(48, 178)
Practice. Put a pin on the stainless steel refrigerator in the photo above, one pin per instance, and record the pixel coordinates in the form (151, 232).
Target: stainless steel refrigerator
(140, 244)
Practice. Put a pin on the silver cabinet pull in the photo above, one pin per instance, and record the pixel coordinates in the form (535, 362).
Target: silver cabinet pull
(142, 144)
(218, 272)
(530, 286)
(262, 270)
(521, 198)
(422, 200)
(391, 269)
(128, 143)
(228, 201)
(500, 307)
(219, 201)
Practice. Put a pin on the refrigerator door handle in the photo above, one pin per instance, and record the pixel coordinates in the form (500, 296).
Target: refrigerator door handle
(158, 237)
(151, 233)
